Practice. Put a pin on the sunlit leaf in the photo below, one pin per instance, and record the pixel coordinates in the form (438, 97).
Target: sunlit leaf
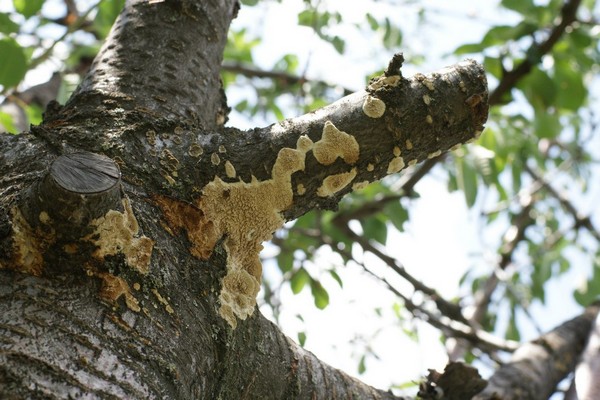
(397, 214)
(361, 365)
(108, 10)
(466, 178)
(337, 278)
(319, 293)
(375, 228)
(7, 25)
(301, 338)
(11, 73)
(572, 92)
(28, 7)
(285, 261)
(6, 122)
(299, 279)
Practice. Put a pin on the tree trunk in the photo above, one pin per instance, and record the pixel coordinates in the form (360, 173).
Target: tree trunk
(131, 218)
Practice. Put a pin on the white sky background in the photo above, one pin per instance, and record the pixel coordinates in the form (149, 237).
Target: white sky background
(442, 239)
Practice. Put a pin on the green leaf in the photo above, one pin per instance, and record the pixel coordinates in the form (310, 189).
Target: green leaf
(28, 7)
(6, 122)
(11, 73)
(339, 44)
(250, 2)
(361, 365)
(466, 178)
(512, 330)
(307, 18)
(285, 261)
(539, 88)
(108, 11)
(319, 294)
(374, 228)
(372, 22)
(571, 90)
(397, 214)
(520, 6)
(547, 125)
(299, 279)
(501, 34)
(7, 25)
(301, 338)
(337, 278)
(590, 291)
(469, 48)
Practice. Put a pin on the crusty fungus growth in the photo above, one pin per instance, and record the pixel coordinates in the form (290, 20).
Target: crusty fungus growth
(229, 170)
(195, 150)
(434, 154)
(116, 233)
(383, 80)
(360, 185)
(334, 183)
(28, 245)
(335, 143)
(201, 232)
(114, 287)
(247, 214)
(300, 189)
(373, 107)
(395, 165)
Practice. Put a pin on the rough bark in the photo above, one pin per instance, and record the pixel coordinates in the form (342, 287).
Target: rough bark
(537, 367)
(586, 380)
(154, 297)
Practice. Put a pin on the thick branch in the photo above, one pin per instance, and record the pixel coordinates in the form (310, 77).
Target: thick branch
(537, 367)
(296, 373)
(162, 58)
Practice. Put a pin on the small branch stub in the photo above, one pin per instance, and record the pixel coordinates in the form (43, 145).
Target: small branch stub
(78, 188)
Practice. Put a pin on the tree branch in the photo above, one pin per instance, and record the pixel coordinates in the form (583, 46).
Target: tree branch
(538, 366)
(150, 63)
(568, 15)
(580, 221)
(279, 76)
